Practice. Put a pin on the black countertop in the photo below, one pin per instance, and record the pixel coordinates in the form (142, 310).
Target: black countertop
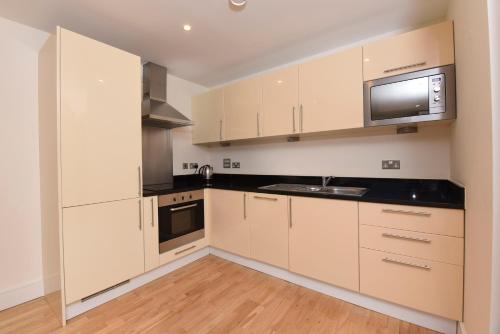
(416, 192)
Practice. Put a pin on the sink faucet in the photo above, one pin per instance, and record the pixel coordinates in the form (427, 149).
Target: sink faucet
(326, 179)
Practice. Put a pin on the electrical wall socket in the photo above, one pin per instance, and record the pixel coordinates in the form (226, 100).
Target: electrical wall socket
(193, 165)
(185, 165)
(236, 164)
(226, 163)
(391, 164)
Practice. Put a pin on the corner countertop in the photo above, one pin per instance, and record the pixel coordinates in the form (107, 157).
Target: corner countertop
(416, 192)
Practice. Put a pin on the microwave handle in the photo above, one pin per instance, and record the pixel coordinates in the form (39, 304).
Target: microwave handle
(184, 207)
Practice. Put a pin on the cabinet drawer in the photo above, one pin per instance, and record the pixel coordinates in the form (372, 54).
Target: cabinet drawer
(422, 245)
(420, 219)
(177, 253)
(424, 285)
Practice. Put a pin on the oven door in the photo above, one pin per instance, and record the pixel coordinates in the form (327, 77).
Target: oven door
(180, 224)
(409, 98)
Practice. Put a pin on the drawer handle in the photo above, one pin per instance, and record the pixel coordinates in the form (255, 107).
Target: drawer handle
(409, 264)
(405, 212)
(405, 67)
(403, 237)
(267, 198)
(184, 250)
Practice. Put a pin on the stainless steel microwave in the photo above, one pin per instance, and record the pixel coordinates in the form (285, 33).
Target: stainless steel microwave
(421, 96)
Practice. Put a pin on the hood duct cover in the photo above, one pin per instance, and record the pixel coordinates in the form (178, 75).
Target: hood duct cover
(156, 111)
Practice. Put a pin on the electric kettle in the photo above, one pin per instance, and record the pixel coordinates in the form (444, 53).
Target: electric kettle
(206, 172)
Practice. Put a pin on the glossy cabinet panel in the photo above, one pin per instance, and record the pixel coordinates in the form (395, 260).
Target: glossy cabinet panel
(268, 218)
(242, 109)
(280, 109)
(150, 222)
(208, 117)
(100, 94)
(331, 92)
(230, 229)
(416, 50)
(324, 240)
(103, 246)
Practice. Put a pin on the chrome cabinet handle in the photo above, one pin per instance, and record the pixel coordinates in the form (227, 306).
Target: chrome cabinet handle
(258, 125)
(140, 180)
(403, 237)
(140, 216)
(290, 211)
(293, 118)
(184, 207)
(405, 67)
(409, 264)
(301, 118)
(152, 212)
(406, 212)
(220, 130)
(244, 206)
(266, 198)
(184, 250)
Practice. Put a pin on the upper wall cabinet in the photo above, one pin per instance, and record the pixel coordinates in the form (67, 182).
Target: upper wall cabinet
(280, 102)
(208, 117)
(100, 96)
(331, 92)
(242, 106)
(416, 50)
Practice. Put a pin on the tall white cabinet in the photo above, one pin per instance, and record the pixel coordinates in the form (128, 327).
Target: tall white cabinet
(90, 160)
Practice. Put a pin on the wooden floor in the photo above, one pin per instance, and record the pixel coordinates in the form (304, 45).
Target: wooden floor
(212, 295)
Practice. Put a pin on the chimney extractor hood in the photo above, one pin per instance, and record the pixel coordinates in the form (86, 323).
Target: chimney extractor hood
(156, 111)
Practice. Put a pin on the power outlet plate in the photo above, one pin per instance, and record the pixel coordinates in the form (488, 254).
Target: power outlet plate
(185, 165)
(236, 164)
(193, 165)
(226, 163)
(391, 164)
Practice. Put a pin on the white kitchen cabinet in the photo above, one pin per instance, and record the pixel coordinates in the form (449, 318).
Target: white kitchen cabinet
(208, 117)
(151, 243)
(100, 108)
(267, 216)
(103, 246)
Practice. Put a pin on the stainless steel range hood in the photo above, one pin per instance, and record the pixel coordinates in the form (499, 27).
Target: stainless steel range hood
(156, 112)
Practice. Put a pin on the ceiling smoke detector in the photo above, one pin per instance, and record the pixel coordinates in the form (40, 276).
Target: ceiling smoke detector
(238, 3)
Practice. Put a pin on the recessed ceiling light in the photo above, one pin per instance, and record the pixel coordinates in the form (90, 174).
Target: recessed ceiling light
(238, 3)
(187, 27)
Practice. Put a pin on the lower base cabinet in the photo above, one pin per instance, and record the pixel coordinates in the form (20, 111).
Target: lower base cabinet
(103, 246)
(429, 286)
(324, 240)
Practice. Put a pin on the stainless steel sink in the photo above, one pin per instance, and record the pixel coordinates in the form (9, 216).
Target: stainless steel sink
(305, 188)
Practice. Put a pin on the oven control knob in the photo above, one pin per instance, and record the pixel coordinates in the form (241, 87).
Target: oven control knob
(175, 199)
(437, 99)
(182, 197)
(437, 89)
(190, 196)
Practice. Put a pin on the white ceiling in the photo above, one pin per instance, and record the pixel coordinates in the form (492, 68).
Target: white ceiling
(225, 44)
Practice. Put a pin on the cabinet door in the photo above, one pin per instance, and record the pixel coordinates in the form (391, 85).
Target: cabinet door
(103, 246)
(331, 92)
(230, 230)
(280, 96)
(413, 51)
(242, 103)
(208, 117)
(151, 245)
(324, 240)
(100, 90)
(268, 218)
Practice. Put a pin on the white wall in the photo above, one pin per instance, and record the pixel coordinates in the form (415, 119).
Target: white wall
(20, 229)
(494, 24)
(471, 156)
(179, 93)
(425, 154)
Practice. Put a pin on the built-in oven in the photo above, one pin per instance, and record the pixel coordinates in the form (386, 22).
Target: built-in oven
(420, 96)
(180, 219)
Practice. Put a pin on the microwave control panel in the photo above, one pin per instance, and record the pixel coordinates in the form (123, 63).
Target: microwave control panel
(437, 94)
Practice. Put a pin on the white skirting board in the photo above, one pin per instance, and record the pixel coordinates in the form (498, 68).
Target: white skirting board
(81, 307)
(21, 294)
(426, 320)
(422, 319)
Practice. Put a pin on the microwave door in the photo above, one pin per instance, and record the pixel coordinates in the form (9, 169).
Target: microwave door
(400, 99)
